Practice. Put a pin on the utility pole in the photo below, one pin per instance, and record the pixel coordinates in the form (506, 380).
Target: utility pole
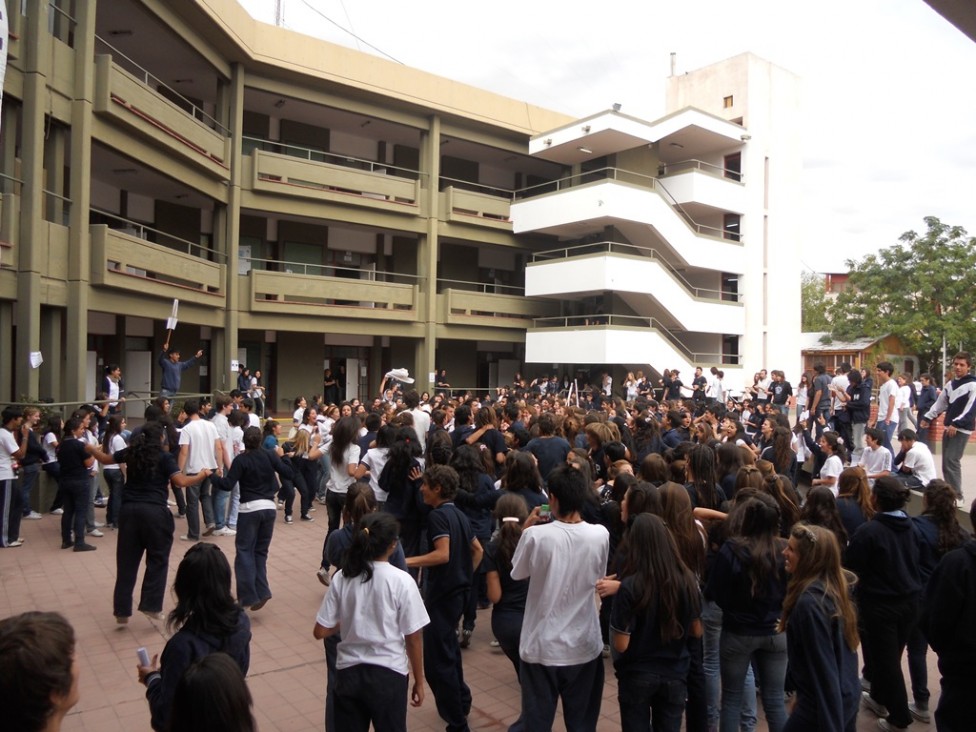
(279, 12)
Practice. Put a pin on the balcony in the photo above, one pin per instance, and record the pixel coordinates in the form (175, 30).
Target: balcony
(617, 339)
(638, 205)
(464, 305)
(488, 207)
(306, 290)
(128, 98)
(126, 260)
(698, 182)
(296, 171)
(639, 275)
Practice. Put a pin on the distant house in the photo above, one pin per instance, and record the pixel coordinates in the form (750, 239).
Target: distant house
(861, 353)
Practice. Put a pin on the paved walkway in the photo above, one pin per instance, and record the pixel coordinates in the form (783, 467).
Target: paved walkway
(287, 675)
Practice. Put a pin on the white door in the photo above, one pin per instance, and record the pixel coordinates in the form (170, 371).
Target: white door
(137, 374)
(352, 379)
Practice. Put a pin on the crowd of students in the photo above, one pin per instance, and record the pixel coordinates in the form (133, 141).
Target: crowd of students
(731, 550)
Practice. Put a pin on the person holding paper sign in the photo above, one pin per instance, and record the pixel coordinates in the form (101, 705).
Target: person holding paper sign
(173, 368)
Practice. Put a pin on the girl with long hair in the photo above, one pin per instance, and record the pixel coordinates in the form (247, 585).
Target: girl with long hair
(702, 484)
(939, 532)
(206, 618)
(286, 489)
(781, 489)
(343, 467)
(748, 582)
(820, 623)
(380, 614)
(50, 436)
(832, 449)
(305, 455)
(854, 500)
(212, 696)
(401, 479)
(656, 610)
(820, 509)
(780, 452)
(729, 458)
(113, 442)
(522, 478)
(476, 498)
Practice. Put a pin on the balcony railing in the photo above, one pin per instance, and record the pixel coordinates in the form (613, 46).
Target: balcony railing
(323, 156)
(612, 247)
(683, 166)
(155, 236)
(468, 204)
(57, 208)
(575, 322)
(154, 83)
(61, 25)
(601, 175)
(491, 309)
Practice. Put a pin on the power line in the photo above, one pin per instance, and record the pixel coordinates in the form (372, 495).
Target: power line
(346, 30)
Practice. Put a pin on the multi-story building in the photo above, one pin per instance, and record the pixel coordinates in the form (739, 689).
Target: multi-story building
(675, 240)
(304, 202)
(312, 206)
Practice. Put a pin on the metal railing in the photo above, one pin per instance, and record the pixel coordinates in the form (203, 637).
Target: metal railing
(719, 171)
(61, 24)
(323, 156)
(631, 178)
(632, 321)
(483, 287)
(466, 185)
(145, 77)
(48, 406)
(10, 184)
(155, 236)
(57, 208)
(329, 270)
(612, 247)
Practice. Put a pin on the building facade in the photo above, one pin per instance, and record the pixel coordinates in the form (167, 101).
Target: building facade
(676, 240)
(315, 207)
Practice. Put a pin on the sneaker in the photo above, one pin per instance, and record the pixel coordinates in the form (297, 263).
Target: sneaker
(67, 544)
(85, 548)
(494, 643)
(320, 499)
(57, 512)
(606, 651)
(259, 604)
(99, 525)
(100, 502)
(33, 516)
(171, 503)
(15, 543)
(323, 575)
(210, 529)
(920, 711)
(121, 619)
(289, 520)
(281, 505)
(153, 616)
(306, 517)
(94, 532)
(865, 684)
(226, 531)
(879, 710)
(187, 537)
(885, 726)
(465, 638)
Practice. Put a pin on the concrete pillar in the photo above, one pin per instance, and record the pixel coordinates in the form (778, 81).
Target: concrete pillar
(33, 227)
(427, 254)
(53, 368)
(7, 353)
(79, 249)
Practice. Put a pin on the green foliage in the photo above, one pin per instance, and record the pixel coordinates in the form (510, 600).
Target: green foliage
(813, 304)
(919, 290)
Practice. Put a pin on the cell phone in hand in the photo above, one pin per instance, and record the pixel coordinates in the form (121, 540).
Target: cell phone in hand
(143, 656)
(544, 512)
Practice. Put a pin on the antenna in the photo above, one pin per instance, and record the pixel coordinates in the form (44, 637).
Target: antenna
(280, 13)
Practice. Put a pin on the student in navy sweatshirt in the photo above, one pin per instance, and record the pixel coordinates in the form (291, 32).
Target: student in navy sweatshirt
(884, 554)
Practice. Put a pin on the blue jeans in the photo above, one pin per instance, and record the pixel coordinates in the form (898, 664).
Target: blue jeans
(889, 431)
(712, 622)
(641, 694)
(769, 654)
(115, 483)
(27, 481)
(254, 530)
(220, 500)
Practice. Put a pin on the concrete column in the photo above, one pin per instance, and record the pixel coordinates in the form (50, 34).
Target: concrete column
(7, 353)
(427, 254)
(33, 227)
(79, 249)
(230, 231)
(53, 368)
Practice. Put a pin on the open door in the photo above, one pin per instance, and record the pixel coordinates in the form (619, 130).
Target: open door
(137, 374)
(352, 379)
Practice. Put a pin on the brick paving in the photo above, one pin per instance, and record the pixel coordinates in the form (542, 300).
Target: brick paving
(287, 674)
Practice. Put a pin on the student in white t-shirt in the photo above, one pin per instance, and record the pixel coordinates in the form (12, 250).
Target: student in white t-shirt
(832, 447)
(561, 646)
(380, 614)
(875, 459)
(917, 467)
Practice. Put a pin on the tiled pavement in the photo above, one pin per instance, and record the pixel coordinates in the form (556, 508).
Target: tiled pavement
(287, 675)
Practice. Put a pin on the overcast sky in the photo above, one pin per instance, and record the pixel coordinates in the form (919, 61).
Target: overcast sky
(888, 93)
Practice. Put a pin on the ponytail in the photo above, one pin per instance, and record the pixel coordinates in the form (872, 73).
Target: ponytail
(370, 540)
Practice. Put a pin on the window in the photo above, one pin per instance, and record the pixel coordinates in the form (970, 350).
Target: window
(733, 166)
(730, 350)
(730, 225)
(727, 102)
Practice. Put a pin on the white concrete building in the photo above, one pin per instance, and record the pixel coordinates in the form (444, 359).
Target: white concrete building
(675, 241)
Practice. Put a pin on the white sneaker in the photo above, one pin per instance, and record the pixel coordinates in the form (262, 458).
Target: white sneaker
(226, 531)
(95, 532)
(33, 516)
(99, 525)
(57, 512)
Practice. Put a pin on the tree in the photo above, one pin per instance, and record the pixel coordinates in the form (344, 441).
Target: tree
(920, 290)
(813, 304)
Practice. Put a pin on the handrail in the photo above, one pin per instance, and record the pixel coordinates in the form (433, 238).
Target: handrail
(623, 176)
(60, 11)
(196, 112)
(495, 191)
(482, 286)
(370, 166)
(48, 208)
(214, 255)
(629, 321)
(610, 246)
(129, 397)
(719, 171)
(411, 278)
